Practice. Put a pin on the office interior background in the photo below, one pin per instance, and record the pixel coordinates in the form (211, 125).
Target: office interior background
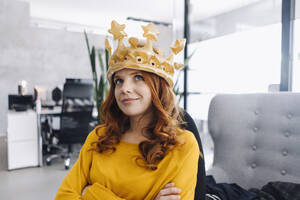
(235, 47)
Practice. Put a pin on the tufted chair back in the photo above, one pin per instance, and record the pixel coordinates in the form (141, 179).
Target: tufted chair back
(256, 138)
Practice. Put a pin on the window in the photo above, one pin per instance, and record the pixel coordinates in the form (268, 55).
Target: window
(296, 52)
(239, 51)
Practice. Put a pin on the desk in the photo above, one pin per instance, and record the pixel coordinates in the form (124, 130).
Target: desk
(55, 111)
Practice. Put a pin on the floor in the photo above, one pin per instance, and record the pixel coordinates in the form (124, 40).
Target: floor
(38, 183)
(33, 183)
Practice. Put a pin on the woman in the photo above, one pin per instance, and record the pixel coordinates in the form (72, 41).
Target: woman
(139, 152)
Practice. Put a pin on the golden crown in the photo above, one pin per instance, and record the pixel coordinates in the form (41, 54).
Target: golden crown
(142, 57)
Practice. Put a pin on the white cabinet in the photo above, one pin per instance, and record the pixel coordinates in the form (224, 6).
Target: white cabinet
(22, 140)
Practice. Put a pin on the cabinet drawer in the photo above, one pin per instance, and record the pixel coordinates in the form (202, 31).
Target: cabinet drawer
(22, 154)
(22, 126)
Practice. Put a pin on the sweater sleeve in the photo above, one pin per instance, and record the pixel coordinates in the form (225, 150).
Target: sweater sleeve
(99, 192)
(186, 178)
(78, 178)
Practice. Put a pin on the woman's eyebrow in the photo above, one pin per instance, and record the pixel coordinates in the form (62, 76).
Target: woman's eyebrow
(116, 77)
(135, 73)
(131, 74)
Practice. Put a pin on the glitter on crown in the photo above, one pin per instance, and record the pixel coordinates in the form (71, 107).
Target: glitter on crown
(142, 57)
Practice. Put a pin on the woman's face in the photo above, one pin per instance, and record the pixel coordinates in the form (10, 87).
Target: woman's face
(132, 94)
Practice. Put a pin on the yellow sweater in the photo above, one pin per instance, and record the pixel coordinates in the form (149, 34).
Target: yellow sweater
(116, 176)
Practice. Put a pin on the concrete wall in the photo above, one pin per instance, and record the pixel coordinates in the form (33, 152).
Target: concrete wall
(42, 57)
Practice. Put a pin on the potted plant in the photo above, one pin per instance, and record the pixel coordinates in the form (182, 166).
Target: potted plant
(176, 88)
(99, 76)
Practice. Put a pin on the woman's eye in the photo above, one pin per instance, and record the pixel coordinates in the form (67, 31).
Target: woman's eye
(118, 81)
(139, 77)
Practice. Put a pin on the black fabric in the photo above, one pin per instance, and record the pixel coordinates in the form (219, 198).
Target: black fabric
(278, 191)
(228, 191)
(270, 191)
(262, 195)
(200, 187)
(283, 190)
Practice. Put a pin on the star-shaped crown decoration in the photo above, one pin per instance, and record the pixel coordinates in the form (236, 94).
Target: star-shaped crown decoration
(142, 57)
(117, 30)
(150, 32)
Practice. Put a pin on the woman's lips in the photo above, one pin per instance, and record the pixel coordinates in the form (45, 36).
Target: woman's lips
(129, 100)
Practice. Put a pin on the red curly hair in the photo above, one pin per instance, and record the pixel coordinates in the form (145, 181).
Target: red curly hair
(161, 132)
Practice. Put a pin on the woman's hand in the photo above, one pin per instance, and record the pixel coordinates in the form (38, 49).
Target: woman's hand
(84, 189)
(169, 192)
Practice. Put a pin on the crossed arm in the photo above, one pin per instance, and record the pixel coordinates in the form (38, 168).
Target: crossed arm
(169, 192)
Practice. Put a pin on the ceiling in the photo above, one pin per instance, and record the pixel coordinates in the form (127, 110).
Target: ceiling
(99, 12)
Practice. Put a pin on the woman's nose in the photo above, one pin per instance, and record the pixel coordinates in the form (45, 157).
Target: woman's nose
(126, 86)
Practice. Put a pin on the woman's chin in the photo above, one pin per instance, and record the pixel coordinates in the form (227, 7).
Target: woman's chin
(132, 113)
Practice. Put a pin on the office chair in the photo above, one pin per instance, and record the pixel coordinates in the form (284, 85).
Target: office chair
(200, 187)
(75, 119)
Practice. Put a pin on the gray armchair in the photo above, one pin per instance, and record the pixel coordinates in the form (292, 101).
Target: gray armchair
(256, 138)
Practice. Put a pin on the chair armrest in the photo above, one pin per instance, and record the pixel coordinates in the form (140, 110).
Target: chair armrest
(219, 174)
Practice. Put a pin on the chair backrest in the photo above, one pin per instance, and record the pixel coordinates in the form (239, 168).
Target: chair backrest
(200, 187)
(256, 138)
(76, 113)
